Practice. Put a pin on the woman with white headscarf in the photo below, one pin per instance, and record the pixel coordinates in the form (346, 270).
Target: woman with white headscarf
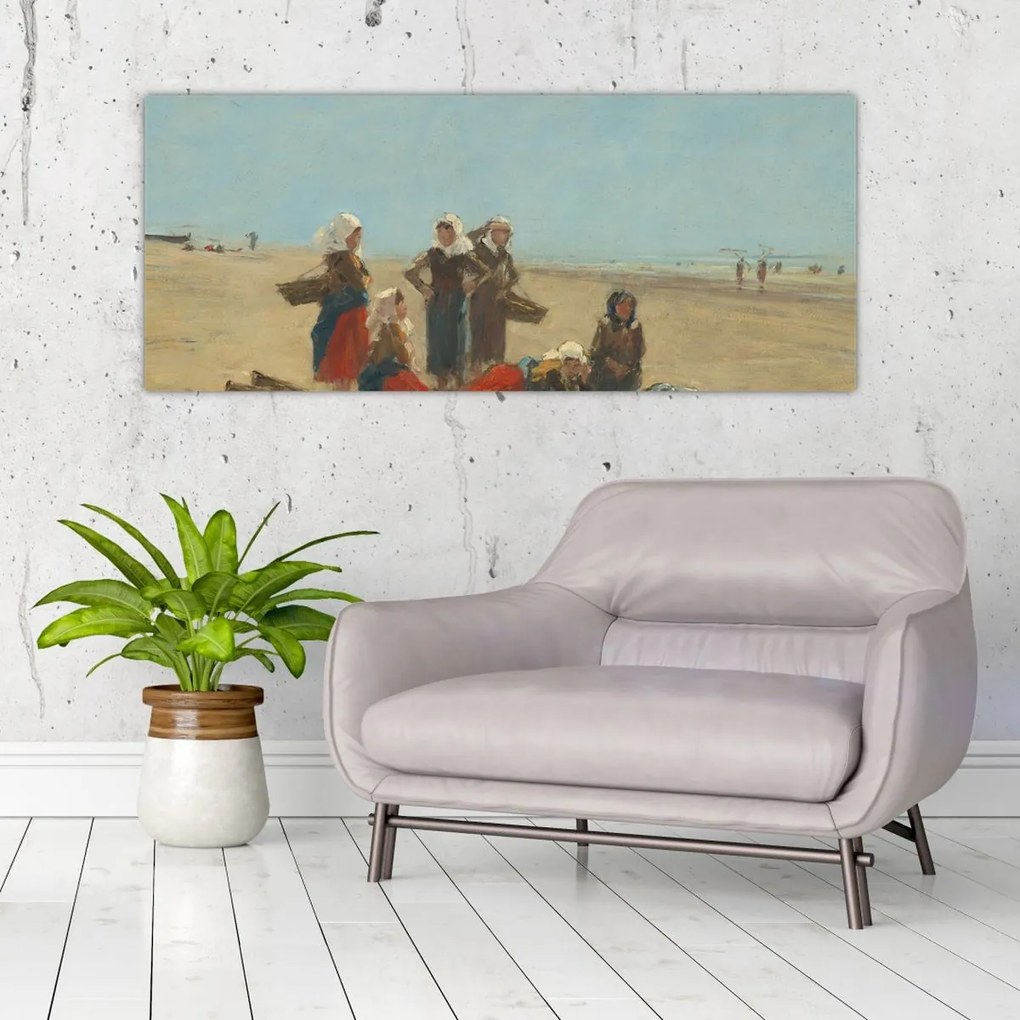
(564, 369)
(391, 364)
(488, 302)
(340, 338)
(454, 272)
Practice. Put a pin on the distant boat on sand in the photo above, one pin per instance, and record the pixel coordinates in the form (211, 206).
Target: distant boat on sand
(170, 238)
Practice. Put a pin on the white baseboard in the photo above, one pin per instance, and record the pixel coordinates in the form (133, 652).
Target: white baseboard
(73, 780)
(986, 785)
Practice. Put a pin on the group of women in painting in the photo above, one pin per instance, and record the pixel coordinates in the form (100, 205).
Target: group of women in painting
(465, 280)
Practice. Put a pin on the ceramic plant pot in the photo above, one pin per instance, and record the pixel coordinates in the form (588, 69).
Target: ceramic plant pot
(203, 778)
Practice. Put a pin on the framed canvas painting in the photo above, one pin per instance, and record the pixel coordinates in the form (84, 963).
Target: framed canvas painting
(500, 243)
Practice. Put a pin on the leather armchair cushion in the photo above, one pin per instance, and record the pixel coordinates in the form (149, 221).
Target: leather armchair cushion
(696, 731)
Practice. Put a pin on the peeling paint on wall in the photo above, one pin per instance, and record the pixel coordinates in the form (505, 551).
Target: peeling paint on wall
(926, 429)
(27, 100)
(71, 15)
(466, 46)
(492, 548)
(26, 633)
(961, 20)
(459, 433)
(632, 35)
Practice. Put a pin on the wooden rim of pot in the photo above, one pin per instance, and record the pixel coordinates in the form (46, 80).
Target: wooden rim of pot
(224, 714)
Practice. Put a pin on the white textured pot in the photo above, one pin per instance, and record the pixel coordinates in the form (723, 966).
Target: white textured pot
(203, 777)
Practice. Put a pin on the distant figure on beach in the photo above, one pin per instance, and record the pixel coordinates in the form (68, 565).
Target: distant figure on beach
(618, 346)
(777, 267)
(763, 268)
(391, 363)
(841, 270)
(340, 339)
(253, 239)
(564, 369)
(488, 302)
(741, 269)
(454, 273)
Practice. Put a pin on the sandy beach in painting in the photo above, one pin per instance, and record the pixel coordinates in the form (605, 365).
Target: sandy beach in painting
(210, 318)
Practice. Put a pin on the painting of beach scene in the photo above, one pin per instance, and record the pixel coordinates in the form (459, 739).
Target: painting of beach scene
(500, 243)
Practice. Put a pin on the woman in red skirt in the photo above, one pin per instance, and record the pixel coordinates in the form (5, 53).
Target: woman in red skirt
(340, 338)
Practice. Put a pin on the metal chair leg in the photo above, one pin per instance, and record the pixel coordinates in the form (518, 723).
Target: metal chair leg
(921, 840)
(914, 833)
(862, 883)
(389, 843)
(851, 885)
(582, 826)
(379, 829)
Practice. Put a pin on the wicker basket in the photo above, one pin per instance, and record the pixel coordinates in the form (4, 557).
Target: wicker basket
(305, 291)
(522, 309)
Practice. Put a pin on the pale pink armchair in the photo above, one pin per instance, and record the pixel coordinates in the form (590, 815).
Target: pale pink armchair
(784, 656)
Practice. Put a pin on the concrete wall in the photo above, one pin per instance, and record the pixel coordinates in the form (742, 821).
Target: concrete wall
(468, 491)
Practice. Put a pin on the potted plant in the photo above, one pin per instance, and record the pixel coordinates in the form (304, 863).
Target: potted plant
(203, 779)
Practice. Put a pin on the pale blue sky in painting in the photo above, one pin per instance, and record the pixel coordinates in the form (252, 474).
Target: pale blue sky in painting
(587, 178)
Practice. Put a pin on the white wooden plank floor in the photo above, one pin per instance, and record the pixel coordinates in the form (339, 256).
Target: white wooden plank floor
(96, 922)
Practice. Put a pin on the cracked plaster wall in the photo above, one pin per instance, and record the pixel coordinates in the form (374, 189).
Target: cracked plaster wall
(471, 491)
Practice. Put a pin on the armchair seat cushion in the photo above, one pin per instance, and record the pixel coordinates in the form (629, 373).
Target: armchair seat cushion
(695, 731)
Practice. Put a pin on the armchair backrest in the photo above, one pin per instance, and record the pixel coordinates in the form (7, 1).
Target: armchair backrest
(791, 575)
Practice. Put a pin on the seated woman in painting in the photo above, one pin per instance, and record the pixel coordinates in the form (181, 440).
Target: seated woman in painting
(454, 273)
(563, 369)
(619, 345)
(391, 366)
(340, 337)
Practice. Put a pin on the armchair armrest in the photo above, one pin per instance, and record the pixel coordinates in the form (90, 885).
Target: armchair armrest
(378, 649)
(919, 700)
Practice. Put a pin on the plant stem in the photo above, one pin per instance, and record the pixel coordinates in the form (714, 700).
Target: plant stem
(214, 679)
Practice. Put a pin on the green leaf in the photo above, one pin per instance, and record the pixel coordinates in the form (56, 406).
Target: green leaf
(157, 556)
(98, 593)
(149, 649)
(169, 629)
(214, 589)
(196, 553)
(137, 573)
(185, 605)
(259, 654)
(92, 621)
(242, 626)
(221, 540)
(308, 595)
(258, 531)
(274, 577)
(320, 541)
(301, 622)
(102, 662)
(287, 647)
(215, 641)
(152, 591)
